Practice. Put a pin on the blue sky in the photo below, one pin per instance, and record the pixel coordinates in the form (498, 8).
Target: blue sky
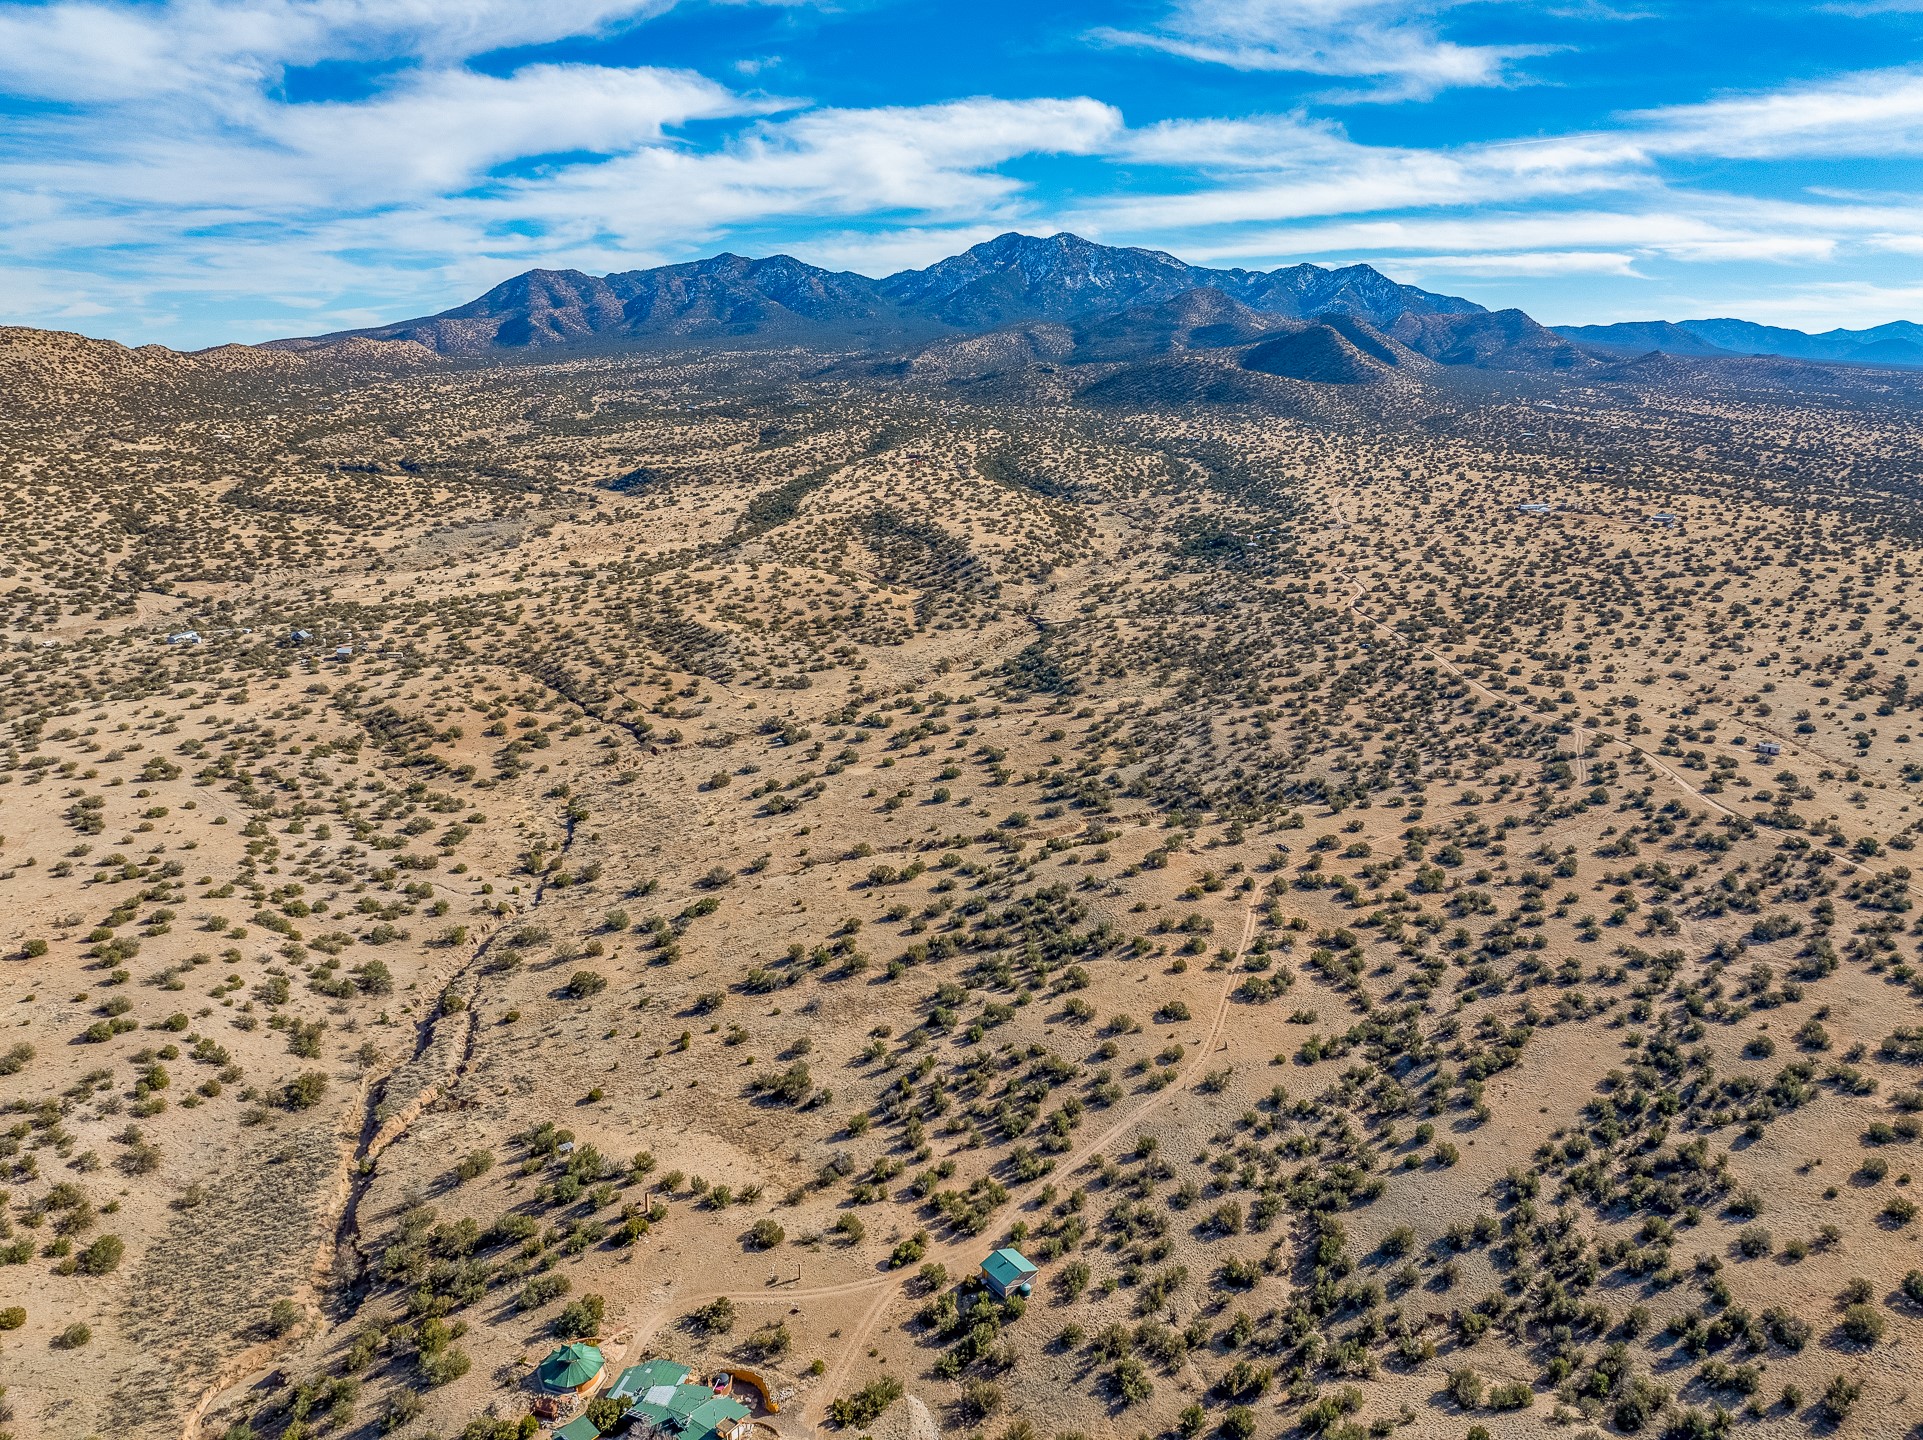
(194, 171)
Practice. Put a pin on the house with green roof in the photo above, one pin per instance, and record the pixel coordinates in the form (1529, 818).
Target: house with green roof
(579, 1428)
(675, 1409)
(1007, 1272)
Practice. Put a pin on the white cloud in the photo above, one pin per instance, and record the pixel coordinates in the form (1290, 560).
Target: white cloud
(1530, 263)
(935, 162)
(1393, 42)
(459, 124)
(270, 159)
(1873, 112)
(104, 52)
(908, 247)
(1851, 304)
(1712, 229)
(1284, 168)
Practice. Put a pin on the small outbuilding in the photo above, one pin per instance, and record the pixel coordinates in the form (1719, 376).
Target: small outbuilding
(579, 1428)
(572, 1369)
(1008, 1272)
(1768, 749)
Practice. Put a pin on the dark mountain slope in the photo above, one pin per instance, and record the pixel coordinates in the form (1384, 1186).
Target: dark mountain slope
(1199, 319)
(1499, 340)
(1338, 351)
(1642, 335)
(1014, 277)
(1181, 380)
(1017, 277)
(727, 295)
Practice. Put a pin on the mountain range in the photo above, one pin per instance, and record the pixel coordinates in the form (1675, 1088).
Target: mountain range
(1898, 343)
(1021, 299)
(1011, 280)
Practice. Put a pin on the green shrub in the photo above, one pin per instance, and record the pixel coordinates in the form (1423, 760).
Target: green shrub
(440, 1367)
(580, 1318)
(304, 1090)
(1864, 1324)
(102, 1257)
(867, 1404)
(1517, 1395)
(1840, 1397)
(606, 1413)
(282, 1316)
(542, 1288)
(1464, 1386)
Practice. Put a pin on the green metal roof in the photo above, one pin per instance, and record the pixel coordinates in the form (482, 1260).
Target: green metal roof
(579, 1428)
(670, 1404)
(637, 1380)
(1007, 1267)
(719, 1412)
(649, 1413)
(570, 1367)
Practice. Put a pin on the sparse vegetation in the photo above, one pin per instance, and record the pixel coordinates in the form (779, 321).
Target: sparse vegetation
(1164, 839)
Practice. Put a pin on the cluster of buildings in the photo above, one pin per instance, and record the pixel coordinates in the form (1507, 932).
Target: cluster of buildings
(665, 1400)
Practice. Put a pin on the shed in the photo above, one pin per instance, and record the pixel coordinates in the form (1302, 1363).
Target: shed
(1768, 749)
(1007, 1272)
(579, 1428)
(575, 1368)
(1535, 507)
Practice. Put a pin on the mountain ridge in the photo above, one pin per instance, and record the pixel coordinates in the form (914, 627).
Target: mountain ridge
(1895, 343)
(1013, 279)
